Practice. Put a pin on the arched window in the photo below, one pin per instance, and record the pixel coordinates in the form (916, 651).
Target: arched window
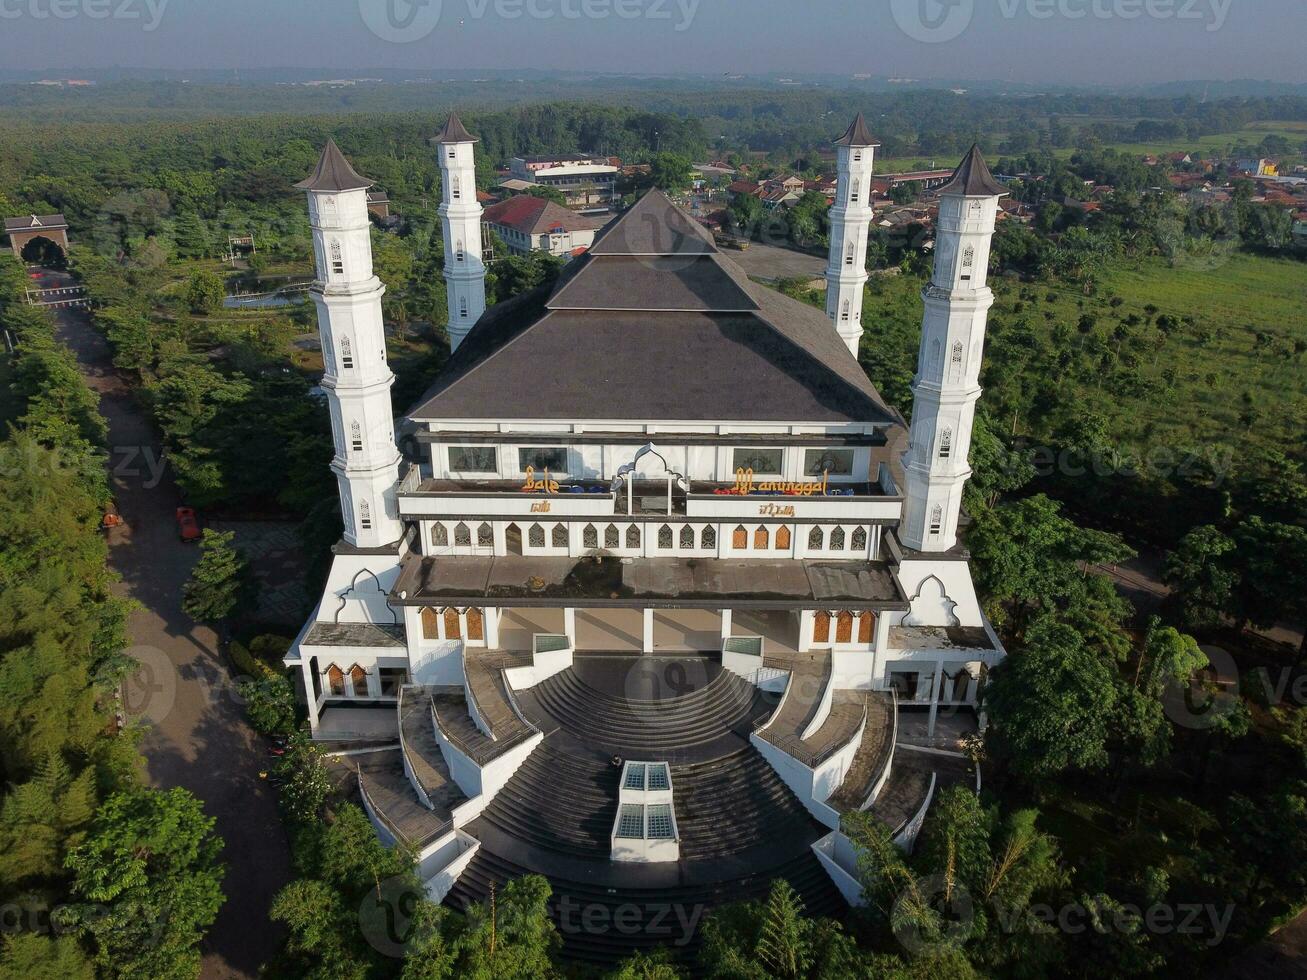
(844, 310)
(535, 537)
(590, 537)
(740, 539)
(365, 516)
(859, 539)
(821, 628)
(955, 363)
(783, 538)
(687, 536)
(633, 536)
(761, 539)
(440, 535)
(844, 627)
(355, 437)
(945, 443)
(708, 540)
(665, 537)
(358, 679)
(559, 536)
(430, 623)
(936, 519)
(849, 254)
(837, 539)
(337, 259)
(346, 354)
(462, 306)
(453, 631)
(455, 187)
(866, 627)
(475, 626)
(485, 536)
(816, 539)
(854, 192)
(975, 210)
(968, 257)
(458, 253)
(612, 537)
(462, 536)
(336, 681)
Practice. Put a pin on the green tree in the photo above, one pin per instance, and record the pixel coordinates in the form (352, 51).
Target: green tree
(1199, 574)
(671, 171)
(150, 867)
(270, 704)
(35, 957)
(307, 782)
(511, 936)
(219, 581)
(205, 292)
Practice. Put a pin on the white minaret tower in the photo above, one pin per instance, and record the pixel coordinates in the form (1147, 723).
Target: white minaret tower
(947, 384)
(460, 220)
(357, 378)
(850, 219)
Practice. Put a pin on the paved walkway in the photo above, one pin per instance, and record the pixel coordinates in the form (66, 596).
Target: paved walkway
(198, 737)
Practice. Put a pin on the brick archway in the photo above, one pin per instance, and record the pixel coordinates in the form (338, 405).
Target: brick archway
(24, 232)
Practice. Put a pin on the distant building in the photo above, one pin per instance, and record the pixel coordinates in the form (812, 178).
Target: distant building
(587, 181)
(532, 224)
(1256, 168)
(928, 179)
(379, 205)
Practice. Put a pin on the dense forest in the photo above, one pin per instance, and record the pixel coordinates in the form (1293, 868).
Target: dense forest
(1114, 333)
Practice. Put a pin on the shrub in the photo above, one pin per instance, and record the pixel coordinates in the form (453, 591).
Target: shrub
(270, 705)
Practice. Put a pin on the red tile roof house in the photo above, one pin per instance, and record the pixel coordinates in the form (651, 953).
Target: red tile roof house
(527, 223)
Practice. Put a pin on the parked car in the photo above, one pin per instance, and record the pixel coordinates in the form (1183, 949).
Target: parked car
(188, 528)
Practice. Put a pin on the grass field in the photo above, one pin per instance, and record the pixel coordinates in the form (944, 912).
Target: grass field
(1227, 387)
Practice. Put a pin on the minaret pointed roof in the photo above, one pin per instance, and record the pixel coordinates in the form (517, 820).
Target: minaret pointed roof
(972, 178)
(454, 132)
(857, 134)
(333, 173)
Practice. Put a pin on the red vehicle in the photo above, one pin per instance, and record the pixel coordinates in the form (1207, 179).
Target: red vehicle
(188, 528)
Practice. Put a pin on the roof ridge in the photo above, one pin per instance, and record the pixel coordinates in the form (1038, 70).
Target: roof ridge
(972, 178)
(334, 173)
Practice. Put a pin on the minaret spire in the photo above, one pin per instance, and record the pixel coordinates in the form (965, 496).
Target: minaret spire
(356, 377)
(947, 384)
(850, 220)
(460, 220)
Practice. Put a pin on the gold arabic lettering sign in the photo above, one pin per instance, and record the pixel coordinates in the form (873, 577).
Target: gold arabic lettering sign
(744, 485)
(533, 485)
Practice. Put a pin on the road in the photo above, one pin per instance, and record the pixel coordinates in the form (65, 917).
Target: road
(198, 738)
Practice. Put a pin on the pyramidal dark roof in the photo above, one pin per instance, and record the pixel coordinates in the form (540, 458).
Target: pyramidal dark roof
(972, 178)
(333, 173)
(857, 134)
(655, 323)
(454, 132)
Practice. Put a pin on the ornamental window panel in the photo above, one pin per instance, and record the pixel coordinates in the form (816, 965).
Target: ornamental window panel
(955, 362)
(559, 536)
(837, 539)
(535, 537)
(763, 462)
(848, 254)
(816, 539)
(365, 516)
(336, 681)
(859, 539)
(783, 537)
(968, 257)
(475, 625)
(358, 679)
(590, 537)
(462, 306)
(633, 536)
(541, 458)
(844, 311)
(337, 259)
(462, 536)
(458, 252)
(455, 187)
(346, 353)
(945, 443)
(936, 519)
(844, 627)
(761, 539)
(866, 627)
(612, 537)
(485, 536)
(708, 540)
(687, 536)
(440, 535)
(821, 628)
(473, 459)
(430, 624)
(835, 462)
(453, 629)
(356, 437)
(740, 539)
(665, 537)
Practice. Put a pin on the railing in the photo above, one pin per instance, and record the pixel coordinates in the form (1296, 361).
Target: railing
(391, 828)
(412, 479)
(403, 752)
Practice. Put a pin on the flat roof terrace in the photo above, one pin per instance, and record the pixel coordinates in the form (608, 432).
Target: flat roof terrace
(606, 580)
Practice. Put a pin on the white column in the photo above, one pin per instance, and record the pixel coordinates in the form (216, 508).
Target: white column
(806, 618)
(726, 625)
(569, 625)
(648, 631)
(491, 619)
(934, 695)
(309, 697)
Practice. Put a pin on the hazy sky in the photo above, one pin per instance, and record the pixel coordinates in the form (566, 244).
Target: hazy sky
(1072, 41)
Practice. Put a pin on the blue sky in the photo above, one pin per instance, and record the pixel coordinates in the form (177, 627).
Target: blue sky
(1040, 41)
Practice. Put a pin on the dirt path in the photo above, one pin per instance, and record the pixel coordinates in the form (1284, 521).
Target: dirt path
(199, 738)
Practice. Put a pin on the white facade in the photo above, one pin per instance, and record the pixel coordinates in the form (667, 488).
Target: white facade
(460, 220)
(357, 378)
(947, 384)
(850, 220)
